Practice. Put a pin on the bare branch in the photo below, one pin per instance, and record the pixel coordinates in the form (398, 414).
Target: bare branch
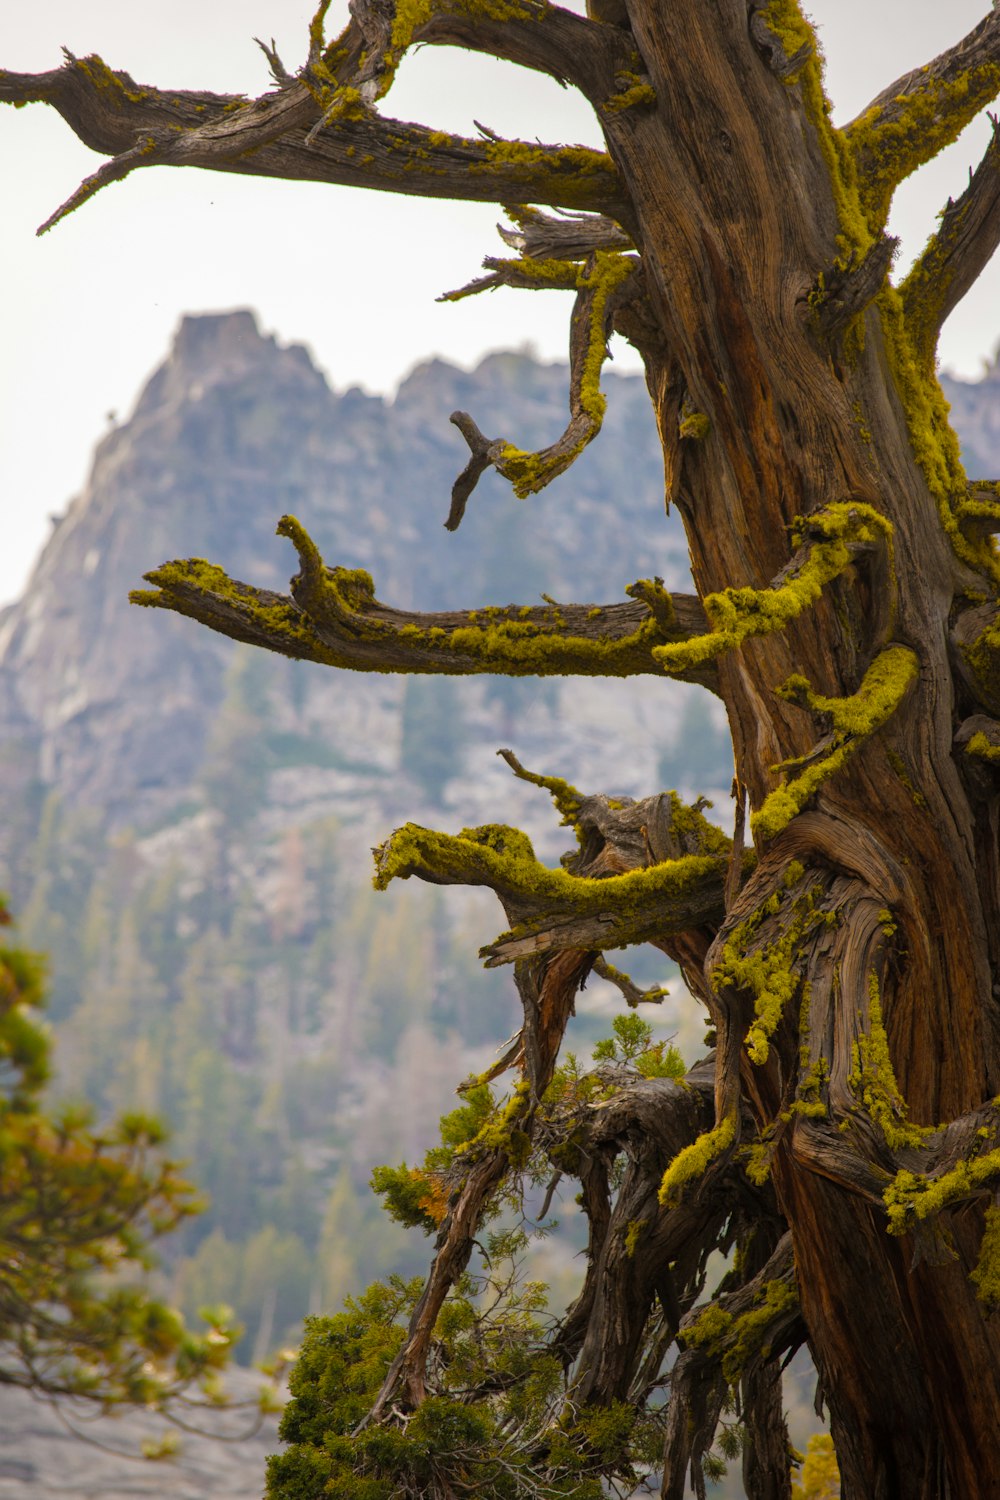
(532, 33)
(956, 254)
(539, 236)
(273, 137)
(917, 116)
(631, 993)
(333, 617)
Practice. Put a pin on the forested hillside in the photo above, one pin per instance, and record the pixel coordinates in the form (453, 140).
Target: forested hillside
(185, 824)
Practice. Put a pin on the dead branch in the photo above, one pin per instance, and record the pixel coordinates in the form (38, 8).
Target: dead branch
(956, 254)
(333, 617)
(574, 236)
(602, 285)
(276, 136)
(919, 114)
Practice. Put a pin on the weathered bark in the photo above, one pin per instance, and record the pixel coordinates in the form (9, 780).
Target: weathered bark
(847, 616)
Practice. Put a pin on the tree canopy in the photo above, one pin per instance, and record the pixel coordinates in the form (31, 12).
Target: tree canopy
(79, 1209)
(839, 1141)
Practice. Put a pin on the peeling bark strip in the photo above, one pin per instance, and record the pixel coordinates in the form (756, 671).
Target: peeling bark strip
(841, 1136)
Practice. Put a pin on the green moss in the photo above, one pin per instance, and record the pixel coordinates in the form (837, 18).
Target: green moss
(738, 614)
(694, 1160)
(854, 719)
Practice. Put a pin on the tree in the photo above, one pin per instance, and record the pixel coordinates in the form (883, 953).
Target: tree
(841, 1137)
(78, 1208)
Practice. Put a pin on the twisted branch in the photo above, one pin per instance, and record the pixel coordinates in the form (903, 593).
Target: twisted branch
(332, 616)
(602, 284)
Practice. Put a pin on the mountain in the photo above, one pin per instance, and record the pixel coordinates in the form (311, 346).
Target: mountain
(185, 823)
(975, 414)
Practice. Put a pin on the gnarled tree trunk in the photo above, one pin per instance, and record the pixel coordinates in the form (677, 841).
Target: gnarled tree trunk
(847, 617)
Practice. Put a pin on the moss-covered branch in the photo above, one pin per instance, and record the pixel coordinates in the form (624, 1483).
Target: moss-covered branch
(333, 617)
(920, 114)
(956, 254)
(829, 542)
(553, 908)
(853, 720)
(601, 283)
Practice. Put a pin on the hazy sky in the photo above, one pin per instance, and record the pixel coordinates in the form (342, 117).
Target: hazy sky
(90, 308)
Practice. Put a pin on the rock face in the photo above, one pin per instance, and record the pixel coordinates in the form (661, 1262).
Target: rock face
(108, 704)
(975, 413)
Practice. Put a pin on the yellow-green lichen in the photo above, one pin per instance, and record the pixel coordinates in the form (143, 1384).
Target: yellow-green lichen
(854, 719)
(757, 1162)
(736, 1340)
(503, 858)
(797, 36)
(933, 441)
(912, 1196)
(738, 614)
(632, 1234)
(696, 426)
(873, 1080)
(285, 627)
(634, 92)
(896, 138)
(694, 1160)
(980, 746)
(986, 1276)
(529, 472)
(767, 972)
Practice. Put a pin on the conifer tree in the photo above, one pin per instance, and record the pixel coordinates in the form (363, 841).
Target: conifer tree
(79, 1209)
(841, 1136)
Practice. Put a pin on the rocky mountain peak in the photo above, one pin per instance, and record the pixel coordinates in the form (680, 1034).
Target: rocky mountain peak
(211, 349)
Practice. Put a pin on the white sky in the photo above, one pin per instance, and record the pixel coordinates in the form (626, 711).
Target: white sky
(89, 309)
